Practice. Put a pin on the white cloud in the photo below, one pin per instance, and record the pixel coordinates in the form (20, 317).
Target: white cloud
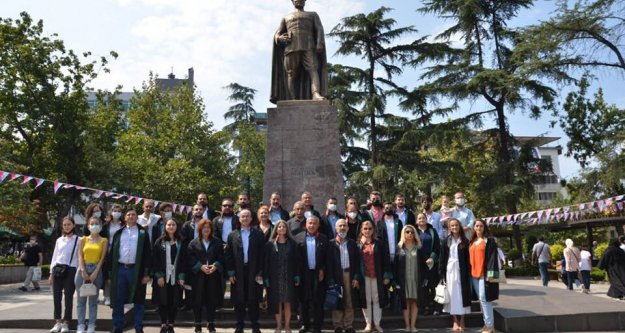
(225, 41)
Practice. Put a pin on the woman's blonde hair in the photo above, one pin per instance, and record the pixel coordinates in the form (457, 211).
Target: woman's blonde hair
(402, 237)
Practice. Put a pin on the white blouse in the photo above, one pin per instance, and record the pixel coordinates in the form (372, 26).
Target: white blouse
(63, 251)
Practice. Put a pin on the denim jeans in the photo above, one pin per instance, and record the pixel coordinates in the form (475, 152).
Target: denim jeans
(124, 283)
(571, 277)
(544, 273)
(81, 302)
(487, 307)
(586, 279)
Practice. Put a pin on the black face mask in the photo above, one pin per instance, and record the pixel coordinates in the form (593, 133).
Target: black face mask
(199, 216)
(377, 203)
(389, 213)
(228, 214)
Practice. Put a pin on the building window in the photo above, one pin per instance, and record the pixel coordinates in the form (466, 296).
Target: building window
(546, 196)
(547, 179)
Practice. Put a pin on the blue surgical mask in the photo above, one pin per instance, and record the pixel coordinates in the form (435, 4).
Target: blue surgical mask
(343, 235)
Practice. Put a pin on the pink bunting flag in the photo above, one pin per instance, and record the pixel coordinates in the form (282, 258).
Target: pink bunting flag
(189, 208)
(15, 176)
(57, 186)
(180, 209)
(174, 206)
(39, 182)
(3, 175)
(26, 179)
(130, 198)
(557, 210)
(68, 186)
(118, 196)
(97, 194)
(138, 200)
(619, 205)
(156, 203)
(619, 197)
(108, 194)
(581, 206)
(548, 213)
(80, 188)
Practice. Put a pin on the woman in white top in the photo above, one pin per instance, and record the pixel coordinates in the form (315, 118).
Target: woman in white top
(585, 267)
(62, 272)
(454, 268)
(572, 257)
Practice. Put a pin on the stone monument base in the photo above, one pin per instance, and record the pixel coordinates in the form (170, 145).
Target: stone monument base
(303, 153)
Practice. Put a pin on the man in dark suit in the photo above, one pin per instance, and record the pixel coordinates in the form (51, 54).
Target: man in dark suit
(329, 219)
(297, 224)
(227, 222)
(405, 215)
(207, 212)
(276, 212)
(313, 248)
(344, 270)
(244, 259)
(243, 201)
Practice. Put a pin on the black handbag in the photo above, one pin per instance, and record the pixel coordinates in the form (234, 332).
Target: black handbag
(60, 270)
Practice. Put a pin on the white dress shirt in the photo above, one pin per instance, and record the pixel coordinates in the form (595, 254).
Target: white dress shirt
(128, 245)
(390, 232)
(226, 227)
(148, 223)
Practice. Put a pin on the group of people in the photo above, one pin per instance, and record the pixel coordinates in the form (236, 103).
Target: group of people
(374, 256)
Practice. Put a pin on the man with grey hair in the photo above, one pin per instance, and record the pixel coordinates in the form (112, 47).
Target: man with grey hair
(297, 223)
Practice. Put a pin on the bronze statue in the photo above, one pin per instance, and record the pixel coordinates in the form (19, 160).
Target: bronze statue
(299, 66)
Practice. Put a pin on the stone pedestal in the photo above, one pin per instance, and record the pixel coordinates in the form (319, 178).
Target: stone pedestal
(303, 153)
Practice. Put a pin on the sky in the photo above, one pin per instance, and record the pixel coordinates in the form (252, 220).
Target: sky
(230, 41)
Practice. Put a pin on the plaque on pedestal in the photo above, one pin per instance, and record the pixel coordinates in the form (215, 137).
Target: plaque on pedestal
(303, 153)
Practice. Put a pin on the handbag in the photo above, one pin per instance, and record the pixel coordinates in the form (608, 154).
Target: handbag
(37, 274)
(442, 294)
(88, 289)
(60, 270)
(500, 279)
(333, 294)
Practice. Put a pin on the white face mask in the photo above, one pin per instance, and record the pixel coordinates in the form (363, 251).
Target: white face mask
(116, 215)
(167, 215)
(352, 215)
(332, 207)
(95, 228)
(460, 202)
(97, 214)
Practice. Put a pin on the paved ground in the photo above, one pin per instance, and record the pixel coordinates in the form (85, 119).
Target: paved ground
(36, 305)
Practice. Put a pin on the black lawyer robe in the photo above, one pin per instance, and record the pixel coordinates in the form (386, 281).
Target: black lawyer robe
(399, 273)
(465, 268)
(271, 270)
(159, 267)
(314, 289)
(197, 256)
(383, 270)
(235, 266)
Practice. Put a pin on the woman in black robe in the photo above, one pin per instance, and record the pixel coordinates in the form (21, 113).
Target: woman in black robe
(168, 282)
(205, 259)
(613, 261)
(281, 275)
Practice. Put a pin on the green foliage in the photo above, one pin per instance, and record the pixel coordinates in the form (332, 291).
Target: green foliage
(600, 250)
(513, 254)
(524, 270)
(251, 145)
(243, 110)
(598, 275)
(10, 260)
(170, 150)
(556, 251)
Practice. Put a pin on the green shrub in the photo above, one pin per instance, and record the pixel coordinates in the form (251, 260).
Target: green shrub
(597, 275)
(45, 271)
(600, 250)
(525, 270)
(10, 260)
(513, 254)
(556, 251)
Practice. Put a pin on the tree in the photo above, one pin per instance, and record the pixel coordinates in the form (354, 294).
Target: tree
(250, 165)
(596, 131)
(243, 109)
(370, 37)
(43, 110)
(170, 151)
(586, 35)
(488, 66)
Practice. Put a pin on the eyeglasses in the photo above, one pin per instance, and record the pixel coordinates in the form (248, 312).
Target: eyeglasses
(410, 232)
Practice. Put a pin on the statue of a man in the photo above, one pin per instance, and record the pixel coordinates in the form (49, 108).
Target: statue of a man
(299, 66)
